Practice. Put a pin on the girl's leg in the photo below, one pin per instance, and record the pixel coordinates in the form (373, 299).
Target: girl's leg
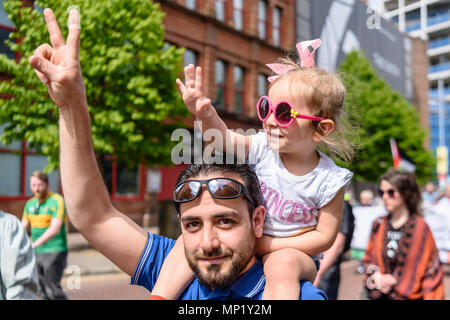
(175, 274)
(284, 269)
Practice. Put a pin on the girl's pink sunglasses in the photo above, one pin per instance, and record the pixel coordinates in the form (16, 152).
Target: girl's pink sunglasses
(283, 112)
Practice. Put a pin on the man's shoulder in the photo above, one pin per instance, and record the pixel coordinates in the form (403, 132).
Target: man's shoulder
(9, 218)
(151, 260)
(30, 201)
(9, 224)
(56, 197)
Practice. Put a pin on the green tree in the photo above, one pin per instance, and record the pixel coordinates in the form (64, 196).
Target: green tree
(383, 114)
(129, 73)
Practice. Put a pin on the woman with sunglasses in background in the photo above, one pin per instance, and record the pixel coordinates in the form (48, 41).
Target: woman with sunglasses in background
(401, 259)
(303, 188)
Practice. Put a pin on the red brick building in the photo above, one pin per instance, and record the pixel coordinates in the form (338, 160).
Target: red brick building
(231, 40)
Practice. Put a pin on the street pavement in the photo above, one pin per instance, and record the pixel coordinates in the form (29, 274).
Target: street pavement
(91, 276)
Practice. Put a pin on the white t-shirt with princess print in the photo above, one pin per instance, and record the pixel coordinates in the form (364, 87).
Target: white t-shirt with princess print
(293, 202)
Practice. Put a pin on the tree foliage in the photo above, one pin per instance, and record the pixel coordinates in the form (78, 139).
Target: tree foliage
(383, 114)
(128, 70)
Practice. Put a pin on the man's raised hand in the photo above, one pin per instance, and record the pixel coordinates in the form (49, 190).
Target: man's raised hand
(58, 65)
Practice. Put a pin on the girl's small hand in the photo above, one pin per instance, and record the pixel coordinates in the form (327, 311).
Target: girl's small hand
(196, 102)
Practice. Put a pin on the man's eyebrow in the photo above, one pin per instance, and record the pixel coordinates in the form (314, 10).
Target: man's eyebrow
(228, 214)
(189, 218)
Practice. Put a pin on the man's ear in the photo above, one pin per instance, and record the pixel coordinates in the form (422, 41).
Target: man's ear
(259, 213)
(324, 128)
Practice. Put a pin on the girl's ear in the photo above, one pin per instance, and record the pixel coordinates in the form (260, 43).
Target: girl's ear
(323, 129)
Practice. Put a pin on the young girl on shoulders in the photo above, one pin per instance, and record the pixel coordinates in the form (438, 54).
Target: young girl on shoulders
(303, 188)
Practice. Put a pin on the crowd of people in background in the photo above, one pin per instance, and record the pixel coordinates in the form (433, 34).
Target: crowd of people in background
(227, 227)
(393, 265)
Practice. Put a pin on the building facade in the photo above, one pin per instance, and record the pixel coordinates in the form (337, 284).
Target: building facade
(231, 40)
(428, 20)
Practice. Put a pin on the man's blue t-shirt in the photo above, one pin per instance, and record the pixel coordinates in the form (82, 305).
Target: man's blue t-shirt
(250, 285)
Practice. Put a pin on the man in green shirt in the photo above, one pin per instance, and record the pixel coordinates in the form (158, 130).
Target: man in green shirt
(46, 215)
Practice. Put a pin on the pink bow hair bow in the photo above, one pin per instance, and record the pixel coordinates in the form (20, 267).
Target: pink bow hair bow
(306, 58)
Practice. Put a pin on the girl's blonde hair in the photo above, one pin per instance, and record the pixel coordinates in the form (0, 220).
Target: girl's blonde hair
(324, 93)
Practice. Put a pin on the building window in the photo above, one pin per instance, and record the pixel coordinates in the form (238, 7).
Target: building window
(11, 174)
(6, 27)
(262, 85)
(122, 181)
(190, 4)
(303, 20)
(262, 19)
(17, 162)
(190, 57)
(238, 73)
(220, 82)
(219, 6)
(276, 26)
(238, 14)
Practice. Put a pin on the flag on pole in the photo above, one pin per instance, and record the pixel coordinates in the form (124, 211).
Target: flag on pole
(401, 161)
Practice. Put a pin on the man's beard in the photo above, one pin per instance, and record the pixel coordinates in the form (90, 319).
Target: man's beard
(215, 276)
(41, 194)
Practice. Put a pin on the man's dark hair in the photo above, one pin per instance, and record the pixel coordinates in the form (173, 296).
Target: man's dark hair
(246, 172)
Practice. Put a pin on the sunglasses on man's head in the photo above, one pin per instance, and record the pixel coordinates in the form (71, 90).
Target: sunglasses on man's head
(390, 192)
(283, 112)
(219, 188)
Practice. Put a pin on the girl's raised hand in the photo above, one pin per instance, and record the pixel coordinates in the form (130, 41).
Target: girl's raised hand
(196, 102)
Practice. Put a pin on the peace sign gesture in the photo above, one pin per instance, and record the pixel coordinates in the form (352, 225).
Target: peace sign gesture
(58, 65)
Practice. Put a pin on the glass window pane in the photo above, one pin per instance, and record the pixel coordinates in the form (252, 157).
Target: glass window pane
(219, 72)
(220, 98)
(4, 34)
(220, 81)
(10, 174)
(220, 10)
(190, 57)
(237, 14)
(128, 182)
(276, 25)
(38, 8)
(262, 18)
(238, 77)
(38, 162)
(262, 10)
(15, 145)
(262, 85)
(238, 87)
(4, 16)
(190, 4)
(262, 30)
(276, 17)
(238, 99)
